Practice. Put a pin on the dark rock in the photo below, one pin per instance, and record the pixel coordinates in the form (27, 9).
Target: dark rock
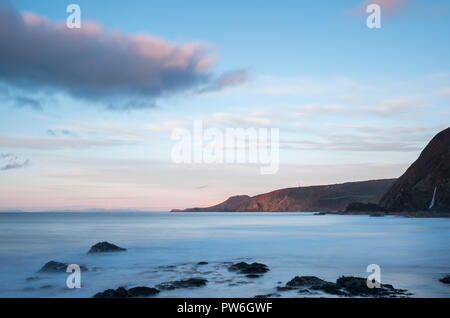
(141, 291)
(302, 281)
(57, 267)
(445, 280)
(268, 295)
(120, 292)
(32, 278)
(253, 268)
(357, 286)
(330, 288)
(344, 286)
(252, 276)
(186, 283)
(202, 263)
(414, 190)
(102, 247)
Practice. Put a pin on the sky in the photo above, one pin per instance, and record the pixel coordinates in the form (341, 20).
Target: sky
(87, 115)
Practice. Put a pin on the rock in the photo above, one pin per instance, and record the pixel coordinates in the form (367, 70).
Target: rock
(141, 291)
(344, 286)
(103, 247)
(186, 283)
(357, 286)
(323, 198)
(253, 268)
(268, 295)
(302, 281)
(445, 280)
(202, 263)
(330, 288)
(57, 267)
(122, 292)
(414, 190)
(32, 278)
(252, 276)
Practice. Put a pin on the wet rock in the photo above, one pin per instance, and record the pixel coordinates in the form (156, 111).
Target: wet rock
(252, 276)
(103, 247)
(344, 286)
(302, 281)
(120, 292)
(186, 283)
(202, 263)
(330, 288)
(57, 267)
(141, 291)
(245, 268)
(268, 295)
(357, 286)
(445, 280)
(32, 278)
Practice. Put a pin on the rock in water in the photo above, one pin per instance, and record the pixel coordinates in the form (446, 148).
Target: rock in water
(103, 247)
(253, 268)
(186, 283)
(413, 191)
(446, 279)
(121, 292)
(57, 267)
(142, 291)
(302, 281)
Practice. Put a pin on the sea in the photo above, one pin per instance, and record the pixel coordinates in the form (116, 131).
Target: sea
(412, 253)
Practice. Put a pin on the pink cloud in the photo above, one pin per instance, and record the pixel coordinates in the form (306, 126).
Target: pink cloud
(95, 63)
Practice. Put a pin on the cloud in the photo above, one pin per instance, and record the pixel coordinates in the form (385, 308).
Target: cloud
(52, 143)
(232, 78)
(123, 70)
(366, 138)
(10, 161)
(394, 105)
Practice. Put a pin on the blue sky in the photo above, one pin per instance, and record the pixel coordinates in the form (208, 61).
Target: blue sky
(351, 103)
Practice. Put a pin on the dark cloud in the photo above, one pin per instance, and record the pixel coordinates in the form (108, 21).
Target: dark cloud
(10, 161)
(124, 71)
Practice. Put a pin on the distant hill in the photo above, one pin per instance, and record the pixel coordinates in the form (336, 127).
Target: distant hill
(414, 190)
(303, 199)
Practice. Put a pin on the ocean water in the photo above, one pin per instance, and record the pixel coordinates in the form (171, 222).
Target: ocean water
(413, 253)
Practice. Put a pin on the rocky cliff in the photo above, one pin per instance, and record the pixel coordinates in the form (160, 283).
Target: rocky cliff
(414, 190)
(314, 198)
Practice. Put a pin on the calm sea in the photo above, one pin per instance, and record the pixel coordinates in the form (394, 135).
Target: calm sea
(413, 253)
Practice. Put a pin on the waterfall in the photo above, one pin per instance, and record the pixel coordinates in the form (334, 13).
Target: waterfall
(433, 199)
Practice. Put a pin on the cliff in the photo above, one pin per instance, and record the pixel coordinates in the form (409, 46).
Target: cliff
(302, 199)
(414, 190)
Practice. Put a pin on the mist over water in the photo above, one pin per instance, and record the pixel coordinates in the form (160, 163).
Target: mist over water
(413, 253)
